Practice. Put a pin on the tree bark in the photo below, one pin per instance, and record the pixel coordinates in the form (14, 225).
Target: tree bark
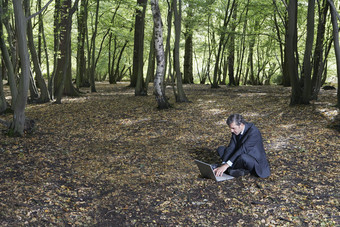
(3, 103)
(336, 44)
(81, 59)
(137, 79)
(18, 124)
(151, 62)
(64, 79)
(167, 45)
(116, 73)
(231, 51)
(9, 66)
(159, 90)
(307, 65)
(93, 49)
(228, 13)
(181, 97)
(44, 94)
(188, 67)
(291, 53)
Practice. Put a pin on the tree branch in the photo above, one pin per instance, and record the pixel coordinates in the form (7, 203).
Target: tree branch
(331, 3)
(42, 9)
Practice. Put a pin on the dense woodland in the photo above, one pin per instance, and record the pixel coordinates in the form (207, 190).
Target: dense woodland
(51, 49)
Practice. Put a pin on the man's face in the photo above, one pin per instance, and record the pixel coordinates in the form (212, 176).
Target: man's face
(236, 129)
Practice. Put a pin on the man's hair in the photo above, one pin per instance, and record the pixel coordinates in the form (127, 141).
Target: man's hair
(235, 118)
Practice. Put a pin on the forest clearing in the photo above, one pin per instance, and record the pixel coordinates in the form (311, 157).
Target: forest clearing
(112, 159)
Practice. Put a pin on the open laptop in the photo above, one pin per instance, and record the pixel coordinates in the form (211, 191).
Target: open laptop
(207, 171)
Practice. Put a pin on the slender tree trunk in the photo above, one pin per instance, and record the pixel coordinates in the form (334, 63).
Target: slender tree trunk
(242, 48)
(112, 54)
(34, 93)
(3, 103)
(44, 94)
(56, 38)
(116, 73)
(151, 62)
(336, 43)
(188, 67)
(307, 65)
(159, 90)
(40, 30)
(318, 58)
(137, 79)
(19, 109)
(282, 43)
(291, 53)
(217, 60)
(8, 63)
(93, 41)
(167, 45)
(181, 97)
(231, 54)
(81, 59)
(11, 41)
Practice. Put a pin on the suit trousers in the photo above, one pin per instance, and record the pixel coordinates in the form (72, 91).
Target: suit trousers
(244, 161)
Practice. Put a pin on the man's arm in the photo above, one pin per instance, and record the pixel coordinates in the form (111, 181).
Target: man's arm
(229, 150)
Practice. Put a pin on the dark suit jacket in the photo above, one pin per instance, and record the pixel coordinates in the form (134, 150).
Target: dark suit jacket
(250, 143)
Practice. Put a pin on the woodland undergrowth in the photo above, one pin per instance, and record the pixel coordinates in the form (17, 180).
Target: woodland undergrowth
(112, 159)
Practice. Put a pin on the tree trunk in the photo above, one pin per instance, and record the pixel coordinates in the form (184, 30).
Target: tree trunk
(336, 43)
(159, 90)
(225, 71)
(181, 97)
(40, 31)
(242, 48)
(63, 76)
(44, 95)
(56, 46)
(137, 79)
(167, 45)
(18, 124)
(188, 67)
(116, 73)
(151, 62)
(34, 93)
(3, 103)
(318, 58)
(12, 43)
(93, 42)
(291, 53)
(307, 65)
(231, 52)
(81, 59)
(112, 80)
(222, 36)
(8, 63)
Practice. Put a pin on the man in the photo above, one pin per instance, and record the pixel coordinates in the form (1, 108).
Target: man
(245, 153)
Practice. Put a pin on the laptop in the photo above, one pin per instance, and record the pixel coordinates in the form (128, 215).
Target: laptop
(207, 172)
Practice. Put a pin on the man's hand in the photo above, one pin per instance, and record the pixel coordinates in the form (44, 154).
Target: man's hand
(220, 170)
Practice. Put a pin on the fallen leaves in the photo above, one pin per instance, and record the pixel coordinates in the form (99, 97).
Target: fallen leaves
(112, 157)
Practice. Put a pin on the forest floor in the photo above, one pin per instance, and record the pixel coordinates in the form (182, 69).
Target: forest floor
(112, 159)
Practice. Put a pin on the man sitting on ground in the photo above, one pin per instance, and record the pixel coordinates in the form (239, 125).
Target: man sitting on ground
(245, 153)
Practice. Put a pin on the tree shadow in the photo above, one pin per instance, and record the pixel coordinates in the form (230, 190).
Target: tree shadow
(205, 154)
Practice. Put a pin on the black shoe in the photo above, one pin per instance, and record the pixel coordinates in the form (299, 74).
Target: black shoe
(238, 172)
